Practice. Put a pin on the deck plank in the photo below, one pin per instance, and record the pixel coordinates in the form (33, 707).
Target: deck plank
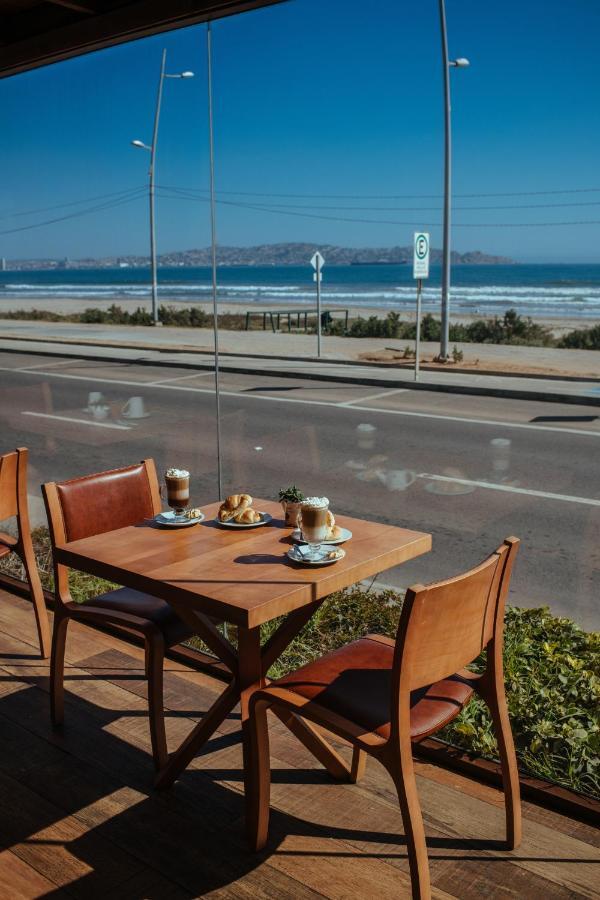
(87, 822)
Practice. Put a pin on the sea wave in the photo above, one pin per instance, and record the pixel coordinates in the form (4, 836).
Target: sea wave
(565, 298)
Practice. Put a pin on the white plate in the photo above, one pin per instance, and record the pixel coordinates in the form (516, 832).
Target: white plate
(448, 488)
(168, 519)
(265, 518)
(344, 536)
(297, 554)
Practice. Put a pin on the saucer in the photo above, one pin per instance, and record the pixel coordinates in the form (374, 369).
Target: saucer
(170, 520)
(344, 536)
(298, 552)
(265, 518)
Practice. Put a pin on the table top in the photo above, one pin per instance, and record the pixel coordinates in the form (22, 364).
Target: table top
(242, 576)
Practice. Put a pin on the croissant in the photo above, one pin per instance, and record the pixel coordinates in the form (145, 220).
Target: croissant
(247, 516)
(233, 505)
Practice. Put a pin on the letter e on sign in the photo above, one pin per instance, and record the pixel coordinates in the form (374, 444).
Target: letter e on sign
(421, 255)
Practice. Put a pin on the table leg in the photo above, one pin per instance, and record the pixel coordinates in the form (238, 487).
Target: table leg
(251, 678)
(308, 735)
(198, 736)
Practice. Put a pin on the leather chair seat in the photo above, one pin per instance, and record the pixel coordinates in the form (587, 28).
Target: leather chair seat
(146, 607)
(356, 683)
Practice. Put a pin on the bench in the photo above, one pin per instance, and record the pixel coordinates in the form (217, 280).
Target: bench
(275, 316)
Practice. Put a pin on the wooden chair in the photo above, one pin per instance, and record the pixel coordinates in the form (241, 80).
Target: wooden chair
(13, 502)
(381, 695)
(93, 505)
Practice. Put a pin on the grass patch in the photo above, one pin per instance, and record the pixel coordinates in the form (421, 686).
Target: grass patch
(552, 674)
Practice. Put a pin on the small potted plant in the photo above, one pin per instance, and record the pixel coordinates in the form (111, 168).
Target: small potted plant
(290, 499)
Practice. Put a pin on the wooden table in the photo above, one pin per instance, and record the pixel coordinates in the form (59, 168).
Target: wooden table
(242, 577)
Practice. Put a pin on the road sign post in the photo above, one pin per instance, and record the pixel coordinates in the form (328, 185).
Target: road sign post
(317, 262)
(420, 271)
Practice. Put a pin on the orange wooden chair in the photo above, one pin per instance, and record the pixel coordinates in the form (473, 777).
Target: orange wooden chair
(381, 695)
(93, 505)
(13, 503)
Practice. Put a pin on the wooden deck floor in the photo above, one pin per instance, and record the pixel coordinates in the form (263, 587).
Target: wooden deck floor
(78, 816)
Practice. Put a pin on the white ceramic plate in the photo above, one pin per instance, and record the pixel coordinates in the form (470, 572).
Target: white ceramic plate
(298, 554)
(448, 488)
(344, 536)
(265, 518)
(168, 519)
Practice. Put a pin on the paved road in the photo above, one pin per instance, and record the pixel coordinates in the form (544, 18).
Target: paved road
(469, 469)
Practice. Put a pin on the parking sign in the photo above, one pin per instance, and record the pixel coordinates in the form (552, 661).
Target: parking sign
(421, 255)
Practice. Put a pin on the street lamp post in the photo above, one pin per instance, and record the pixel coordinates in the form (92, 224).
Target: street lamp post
(151, 173)
(461, 62)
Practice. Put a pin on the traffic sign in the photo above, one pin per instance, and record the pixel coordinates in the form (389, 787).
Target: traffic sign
(317, 262)
(421, 255)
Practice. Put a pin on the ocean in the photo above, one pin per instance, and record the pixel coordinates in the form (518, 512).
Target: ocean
(552, 291)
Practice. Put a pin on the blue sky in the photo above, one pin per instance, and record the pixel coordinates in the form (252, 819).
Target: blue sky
(320, 99)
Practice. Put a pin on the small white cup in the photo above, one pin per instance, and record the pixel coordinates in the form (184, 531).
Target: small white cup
(400, 479)
(94, 399)
(365, 434)
(99, 411)
(134, 408)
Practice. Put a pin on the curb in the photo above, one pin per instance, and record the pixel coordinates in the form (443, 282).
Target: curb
(473, 390)
(168, 348)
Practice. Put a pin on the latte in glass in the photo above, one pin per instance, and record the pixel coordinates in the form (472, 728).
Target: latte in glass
(313, 522)
(178, 489)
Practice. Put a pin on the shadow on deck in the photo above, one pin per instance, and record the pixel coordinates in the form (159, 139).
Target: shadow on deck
(79, 816)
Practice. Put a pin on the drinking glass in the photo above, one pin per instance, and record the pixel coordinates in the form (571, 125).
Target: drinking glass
(178, 492)
(313, 523)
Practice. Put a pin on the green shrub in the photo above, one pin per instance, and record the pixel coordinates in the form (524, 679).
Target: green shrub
(582, 339)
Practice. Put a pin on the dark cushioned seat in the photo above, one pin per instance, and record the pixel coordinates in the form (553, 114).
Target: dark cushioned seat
(356, 682)
(146, 607)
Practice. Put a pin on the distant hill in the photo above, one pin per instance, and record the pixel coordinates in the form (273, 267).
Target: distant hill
(290, 254)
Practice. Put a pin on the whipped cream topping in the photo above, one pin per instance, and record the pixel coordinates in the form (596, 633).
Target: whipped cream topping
(177, 473)
(315, 502)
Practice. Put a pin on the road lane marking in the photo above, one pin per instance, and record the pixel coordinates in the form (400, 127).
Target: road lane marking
(46, 364)
(510, 489)
(179, 378)
(496, 423)
(387, 393)
(39, 415)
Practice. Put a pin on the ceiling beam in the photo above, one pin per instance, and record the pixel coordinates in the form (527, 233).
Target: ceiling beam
(76, 7)
(126, 23)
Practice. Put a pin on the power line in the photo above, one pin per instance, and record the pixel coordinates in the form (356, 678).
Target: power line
(76, 215)
(31, 212)
(288, 212)
(190, 196)
(394, 196)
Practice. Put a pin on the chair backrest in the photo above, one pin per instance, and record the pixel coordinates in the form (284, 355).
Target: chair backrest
(102, 502)
(8, 485)
(445, 626)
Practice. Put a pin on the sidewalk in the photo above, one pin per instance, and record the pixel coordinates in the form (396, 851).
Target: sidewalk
(568, 376)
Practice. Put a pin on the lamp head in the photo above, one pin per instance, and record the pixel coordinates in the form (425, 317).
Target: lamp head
(462, 63)
(140, 144)
(187, 74)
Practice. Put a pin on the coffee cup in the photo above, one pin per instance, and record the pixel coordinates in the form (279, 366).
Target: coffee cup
(100, 411)
(399, 479)
(94, 399)
(134, 408)
(365, 435)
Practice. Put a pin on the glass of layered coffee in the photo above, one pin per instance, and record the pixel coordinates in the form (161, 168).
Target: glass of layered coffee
(177, 482)
(313, 523)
